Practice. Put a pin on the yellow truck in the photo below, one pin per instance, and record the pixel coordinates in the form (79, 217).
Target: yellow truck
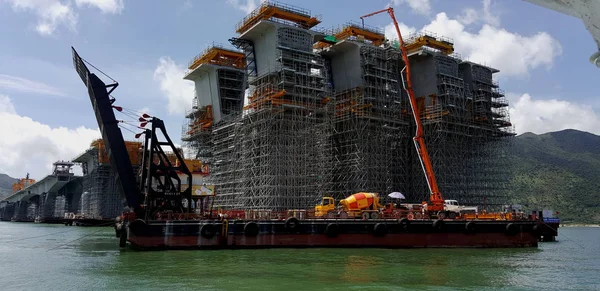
(362, 204)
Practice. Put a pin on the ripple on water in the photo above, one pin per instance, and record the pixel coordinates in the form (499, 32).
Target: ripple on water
(76, 258)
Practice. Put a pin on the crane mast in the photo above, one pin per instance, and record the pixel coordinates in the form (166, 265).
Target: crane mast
(436, 199)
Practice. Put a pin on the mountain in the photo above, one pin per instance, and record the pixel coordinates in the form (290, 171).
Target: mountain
(558, 170)
(6, 184)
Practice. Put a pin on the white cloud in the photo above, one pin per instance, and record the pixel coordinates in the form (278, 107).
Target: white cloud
(405, 30)
(541, 116)
(488, 17)
(178, 91)
(5, 105)
(513, 54)
(144, 110)
(107, 6)
(52, 14)
(419, 6)
(24, 85)
(245, 5)
(471, 15)
(30, 146)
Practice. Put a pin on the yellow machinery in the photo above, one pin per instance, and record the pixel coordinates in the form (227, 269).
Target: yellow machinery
(362, 204)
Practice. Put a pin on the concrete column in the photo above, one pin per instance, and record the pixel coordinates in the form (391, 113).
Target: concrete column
(47, 206)
(7, 211)
(21, 211)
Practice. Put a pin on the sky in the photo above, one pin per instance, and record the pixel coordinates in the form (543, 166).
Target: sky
(45, 113)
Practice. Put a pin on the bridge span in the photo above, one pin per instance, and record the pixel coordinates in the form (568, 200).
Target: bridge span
(46, 200)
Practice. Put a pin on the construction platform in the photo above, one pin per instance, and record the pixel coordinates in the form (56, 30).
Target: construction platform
(295, 233)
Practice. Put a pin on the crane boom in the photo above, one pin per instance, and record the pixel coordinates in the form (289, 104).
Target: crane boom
(436, 199)
(160, 188)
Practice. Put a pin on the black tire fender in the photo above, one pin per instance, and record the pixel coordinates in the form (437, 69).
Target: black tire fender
(536, 229)
(251, 229)
(380, 229)
(404, 221)
(332, 230)
(438, 224)
(470, 227)
(207, 231)
(137, 223)
(512, 229)
(292, 223)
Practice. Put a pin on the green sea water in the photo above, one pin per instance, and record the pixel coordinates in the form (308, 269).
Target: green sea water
(56, 257)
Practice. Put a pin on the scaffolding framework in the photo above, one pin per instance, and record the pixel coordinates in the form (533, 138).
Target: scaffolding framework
(218, 55)
(101, 198)
(352, 31)
(301, 135)
(276, 11)
(467, 131)
(283, 135)
(369, 130)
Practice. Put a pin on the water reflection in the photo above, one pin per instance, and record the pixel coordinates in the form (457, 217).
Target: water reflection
(361, 269)
(90, 258)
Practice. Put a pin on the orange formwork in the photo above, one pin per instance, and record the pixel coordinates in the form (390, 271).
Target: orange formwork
(428, 39)
(202, 121)
(133, 150)
(216, 55)
(266, 95)
(352, 102)
(195, 166)
(375, 36)
(270, 9)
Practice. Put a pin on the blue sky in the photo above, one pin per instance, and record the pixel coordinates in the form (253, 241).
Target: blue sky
(145, 45)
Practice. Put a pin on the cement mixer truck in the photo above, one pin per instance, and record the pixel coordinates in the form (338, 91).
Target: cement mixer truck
(366, 206)
(359, 205)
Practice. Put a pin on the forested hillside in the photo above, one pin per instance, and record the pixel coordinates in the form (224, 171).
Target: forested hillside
(559, 170)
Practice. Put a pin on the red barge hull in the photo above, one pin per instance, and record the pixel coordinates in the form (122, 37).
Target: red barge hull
(330, 233)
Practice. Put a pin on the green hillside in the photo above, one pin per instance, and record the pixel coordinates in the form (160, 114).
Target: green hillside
(6, 184)
(558, 170)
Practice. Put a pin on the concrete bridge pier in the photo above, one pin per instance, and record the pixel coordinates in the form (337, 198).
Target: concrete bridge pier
(73, 201)
(47, 203)
(7, 210)
(24, 211)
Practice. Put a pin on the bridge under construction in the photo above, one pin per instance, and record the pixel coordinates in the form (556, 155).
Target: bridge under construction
(289, 112)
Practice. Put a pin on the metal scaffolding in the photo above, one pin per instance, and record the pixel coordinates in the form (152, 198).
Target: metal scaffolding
(328, 115)
(284, 132)
(101, 198)
(467, 130)
(370, 134)
(213, 121)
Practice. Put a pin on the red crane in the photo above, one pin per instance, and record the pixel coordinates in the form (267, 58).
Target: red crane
(436, 199)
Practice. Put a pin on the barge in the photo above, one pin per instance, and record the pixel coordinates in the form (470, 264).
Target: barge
(346, 233)
(168, 211)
